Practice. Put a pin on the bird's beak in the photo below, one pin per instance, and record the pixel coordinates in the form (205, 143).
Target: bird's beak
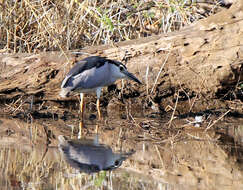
(131, 77)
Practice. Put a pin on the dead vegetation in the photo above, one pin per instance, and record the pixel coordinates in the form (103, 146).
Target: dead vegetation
(32, 26)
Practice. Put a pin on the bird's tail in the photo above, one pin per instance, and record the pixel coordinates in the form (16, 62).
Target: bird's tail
(64, 92)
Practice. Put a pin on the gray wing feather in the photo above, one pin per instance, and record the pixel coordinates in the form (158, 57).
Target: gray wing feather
(89, 73)
(79, 67)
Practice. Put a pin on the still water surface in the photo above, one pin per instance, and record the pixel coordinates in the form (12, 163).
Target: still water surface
(151, 155)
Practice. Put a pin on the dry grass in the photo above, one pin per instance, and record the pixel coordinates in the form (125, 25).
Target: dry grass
(32, 25)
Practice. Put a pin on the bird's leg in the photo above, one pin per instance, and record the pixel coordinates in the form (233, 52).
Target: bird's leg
(80, 129)
(98, 92)
(96, 132)
(82, 115)
(82, 105)
(98, 108)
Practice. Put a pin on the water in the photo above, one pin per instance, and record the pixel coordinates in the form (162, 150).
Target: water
(176, 155)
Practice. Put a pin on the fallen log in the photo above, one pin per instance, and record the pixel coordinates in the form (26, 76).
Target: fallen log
(205, 58)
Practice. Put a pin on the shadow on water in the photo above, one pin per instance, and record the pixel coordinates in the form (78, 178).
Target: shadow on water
(179, 156)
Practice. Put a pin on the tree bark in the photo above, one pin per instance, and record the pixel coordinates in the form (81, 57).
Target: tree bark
(205, 57)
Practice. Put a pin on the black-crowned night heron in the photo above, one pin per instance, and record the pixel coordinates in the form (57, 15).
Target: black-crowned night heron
(88, 156)
(91, 75)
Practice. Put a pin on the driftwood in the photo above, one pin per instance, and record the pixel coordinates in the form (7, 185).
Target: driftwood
(206, 58)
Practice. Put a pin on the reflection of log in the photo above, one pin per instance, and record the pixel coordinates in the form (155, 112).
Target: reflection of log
(193, 159)
(204, 57)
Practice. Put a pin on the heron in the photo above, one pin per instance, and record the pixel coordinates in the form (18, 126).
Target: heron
(91, 75)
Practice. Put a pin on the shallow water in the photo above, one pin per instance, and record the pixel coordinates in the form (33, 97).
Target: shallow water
(168, 155)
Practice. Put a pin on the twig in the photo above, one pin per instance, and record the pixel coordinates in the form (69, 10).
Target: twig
(162, 66)
(209, 126)
(172, 116)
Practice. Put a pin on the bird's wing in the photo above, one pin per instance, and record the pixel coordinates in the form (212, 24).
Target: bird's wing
(78, 68)
(83, 65)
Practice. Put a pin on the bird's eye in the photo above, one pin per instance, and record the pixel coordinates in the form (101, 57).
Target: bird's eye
(117, 163)
(121, 68)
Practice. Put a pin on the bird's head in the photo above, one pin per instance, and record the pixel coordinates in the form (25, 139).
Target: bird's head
(115, 160)
(120, 71)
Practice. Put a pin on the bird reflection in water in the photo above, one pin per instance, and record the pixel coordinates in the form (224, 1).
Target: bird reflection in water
(87, 155)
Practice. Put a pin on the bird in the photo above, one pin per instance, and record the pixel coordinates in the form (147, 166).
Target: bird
(90, 75)
(89, 156)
